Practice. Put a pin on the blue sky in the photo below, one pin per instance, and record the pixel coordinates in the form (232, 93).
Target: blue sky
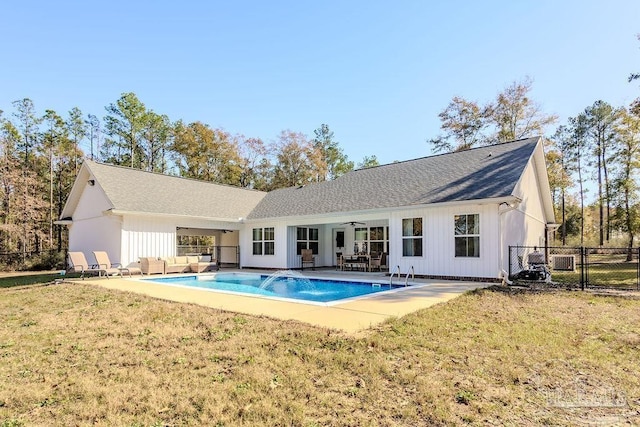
(378, 73)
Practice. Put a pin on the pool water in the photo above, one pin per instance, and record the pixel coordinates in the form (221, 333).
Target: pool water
(299, 288)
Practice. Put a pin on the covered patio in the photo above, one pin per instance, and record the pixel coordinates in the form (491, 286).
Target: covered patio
(341, 245)
(221, 244)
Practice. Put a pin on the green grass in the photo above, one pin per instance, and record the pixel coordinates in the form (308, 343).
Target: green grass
(32, 279)
(75, 354)
(604, 274)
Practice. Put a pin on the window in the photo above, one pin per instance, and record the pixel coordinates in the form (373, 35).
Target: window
(412, 237)
(264, 241)
(378, 239)
(467, 235)
(371, 239)
(361, 240)
(307, 238)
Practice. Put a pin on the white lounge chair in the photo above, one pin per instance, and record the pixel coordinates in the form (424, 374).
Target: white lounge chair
(78, 264)
(103, 261)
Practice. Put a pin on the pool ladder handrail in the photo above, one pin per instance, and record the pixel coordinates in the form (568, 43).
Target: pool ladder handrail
(396, 270)
(413, 276)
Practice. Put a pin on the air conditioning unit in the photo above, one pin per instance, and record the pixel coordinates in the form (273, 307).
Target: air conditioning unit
(563, 262)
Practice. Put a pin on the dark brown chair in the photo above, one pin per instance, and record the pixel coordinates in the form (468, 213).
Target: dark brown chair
(308, 258)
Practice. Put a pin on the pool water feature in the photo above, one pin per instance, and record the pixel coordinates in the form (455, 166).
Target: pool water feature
(279, 285)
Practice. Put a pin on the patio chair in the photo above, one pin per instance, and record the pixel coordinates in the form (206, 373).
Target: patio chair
(340, 261)
(103, 261)
(383, 261)
(308, 258)
(375, 262)
(78, 264)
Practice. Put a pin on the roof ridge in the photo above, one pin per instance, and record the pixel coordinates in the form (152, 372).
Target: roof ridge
(449, 153)
(128, 168)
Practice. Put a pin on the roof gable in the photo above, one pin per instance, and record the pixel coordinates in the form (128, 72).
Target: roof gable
(476, 174)
(136, 191)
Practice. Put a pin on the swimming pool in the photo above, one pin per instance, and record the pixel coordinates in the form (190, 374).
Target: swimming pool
(290, 286)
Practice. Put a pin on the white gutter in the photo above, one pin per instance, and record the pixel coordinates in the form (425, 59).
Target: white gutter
(376, 211)
(165, 215)
(503, 208)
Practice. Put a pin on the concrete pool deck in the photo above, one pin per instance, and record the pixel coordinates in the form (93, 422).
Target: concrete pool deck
(350, 316)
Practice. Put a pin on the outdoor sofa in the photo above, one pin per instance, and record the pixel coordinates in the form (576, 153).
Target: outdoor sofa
(151, 265)
(178, 264)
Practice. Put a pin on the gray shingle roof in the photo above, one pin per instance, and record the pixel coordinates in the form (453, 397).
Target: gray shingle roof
(480, 173)
(138, 191)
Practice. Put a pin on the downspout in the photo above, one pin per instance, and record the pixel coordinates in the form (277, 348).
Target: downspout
(503, 208)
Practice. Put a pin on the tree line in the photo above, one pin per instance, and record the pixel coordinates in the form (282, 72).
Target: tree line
(597, 149)
(41, 153)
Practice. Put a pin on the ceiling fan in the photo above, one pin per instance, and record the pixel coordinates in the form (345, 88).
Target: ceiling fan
(353, 223)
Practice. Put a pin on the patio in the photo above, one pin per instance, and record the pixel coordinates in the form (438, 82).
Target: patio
(351, 316)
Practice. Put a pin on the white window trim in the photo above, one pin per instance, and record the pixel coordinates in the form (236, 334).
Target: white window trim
(455, 236)
(263, 241)
(421, 238)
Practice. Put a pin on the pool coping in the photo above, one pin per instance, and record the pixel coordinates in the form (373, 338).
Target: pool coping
(397, 287)
(350, 316)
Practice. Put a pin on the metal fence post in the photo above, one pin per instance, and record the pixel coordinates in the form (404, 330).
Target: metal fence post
(583, 259)
(510, 272)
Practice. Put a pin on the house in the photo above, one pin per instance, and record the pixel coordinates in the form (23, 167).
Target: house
(450, 215)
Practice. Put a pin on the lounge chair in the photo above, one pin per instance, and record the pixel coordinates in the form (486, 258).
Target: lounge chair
(308, 258)
(78, 264)
(103, 261)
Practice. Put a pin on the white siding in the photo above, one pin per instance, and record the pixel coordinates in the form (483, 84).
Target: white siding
(438, 257)
(278, 260)
(91, 230)
(147, 236)
(438, 242)
(525, 225)
(144, 236)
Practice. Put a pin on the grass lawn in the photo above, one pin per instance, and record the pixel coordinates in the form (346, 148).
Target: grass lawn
(620, 274)
(10, 281)
(75, 354)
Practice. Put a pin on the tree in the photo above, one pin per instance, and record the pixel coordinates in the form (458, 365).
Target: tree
(10, 179)
(155, 139)
(56, 130)
(124, 123)
(254, 163)
(93, 124)
(515, 115)
(559, 176)
(205, 153)
(572, 143)
(31, 202)
(600, 119)
(462, 123)
(294, 160)
(368, 162)
(333, 162)
(77, 129)
(63, 152)
(627, 151)
(28, 127)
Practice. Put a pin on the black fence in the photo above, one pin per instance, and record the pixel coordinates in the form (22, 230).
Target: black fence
(32, 260)
(227, 256)
(584, 267)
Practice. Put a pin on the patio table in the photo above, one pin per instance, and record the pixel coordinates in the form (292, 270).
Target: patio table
(356, 261)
